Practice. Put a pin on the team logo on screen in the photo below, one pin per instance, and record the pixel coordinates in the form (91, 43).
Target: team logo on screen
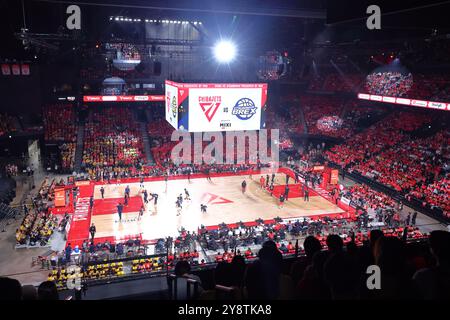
(244, 109)
(209, 105)
(174, 106)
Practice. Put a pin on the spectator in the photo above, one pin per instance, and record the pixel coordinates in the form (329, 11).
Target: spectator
(10, 289)
(434, 283)
(29, 293)
(311, 246)
(47, 291)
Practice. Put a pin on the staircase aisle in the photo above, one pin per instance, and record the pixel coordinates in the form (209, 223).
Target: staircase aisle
(146, 141)
(79, 147)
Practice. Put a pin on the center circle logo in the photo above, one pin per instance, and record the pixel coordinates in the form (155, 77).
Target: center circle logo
(244, 109)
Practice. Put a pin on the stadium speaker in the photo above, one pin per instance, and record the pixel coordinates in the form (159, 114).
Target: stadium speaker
(157, 68)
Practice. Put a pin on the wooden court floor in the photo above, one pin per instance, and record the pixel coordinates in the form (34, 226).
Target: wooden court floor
(223, 197)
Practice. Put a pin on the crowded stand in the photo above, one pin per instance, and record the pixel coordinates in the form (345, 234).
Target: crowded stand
(387, 132)
(37, 226)
(434, 87)
(408, 164)
(389, 83)
(369, 198)
(68, 156)
(317, 108)
(330, 269)
(159, 128)
(434, 195)
(329, 181)
(60, 127)
(112, 139)
(60, 123)
(412, 161)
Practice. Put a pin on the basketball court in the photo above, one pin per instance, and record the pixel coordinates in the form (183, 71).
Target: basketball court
(226, 203)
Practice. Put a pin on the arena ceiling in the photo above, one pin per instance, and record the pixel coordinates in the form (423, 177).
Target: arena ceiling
(264, 24)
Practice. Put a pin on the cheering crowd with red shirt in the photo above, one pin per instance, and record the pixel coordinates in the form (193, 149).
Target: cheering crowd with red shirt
(112, 138)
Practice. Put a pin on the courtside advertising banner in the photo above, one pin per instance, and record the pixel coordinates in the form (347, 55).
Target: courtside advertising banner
(211, 107)
(172, 105)
(60, 198)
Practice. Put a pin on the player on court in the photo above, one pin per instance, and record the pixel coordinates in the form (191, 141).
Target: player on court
(208, 177)
(141, 213)
(166, 178)
(262, 182)
(179, 205)
(155, 198)
(244, 186)
(145, 196)
(281, 201)
(187, 196)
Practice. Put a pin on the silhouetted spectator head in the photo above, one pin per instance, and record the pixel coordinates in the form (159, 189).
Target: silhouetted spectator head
(318, 261)
(182, 267)
(311, 245)
(238, 267)
(263, 277)
(390, 256)
(254, 282)
(341, 274)
(270, 255)
(10, 289)
(47, 291)
(440, 246)
(374, 236)
(269, 244)
(223, 274)
(29, 293)
(352, 249)
(334, 243)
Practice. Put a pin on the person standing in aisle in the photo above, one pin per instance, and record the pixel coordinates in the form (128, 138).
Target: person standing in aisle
(92, 231)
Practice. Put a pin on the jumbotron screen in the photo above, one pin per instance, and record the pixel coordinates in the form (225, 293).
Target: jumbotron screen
(209, 107)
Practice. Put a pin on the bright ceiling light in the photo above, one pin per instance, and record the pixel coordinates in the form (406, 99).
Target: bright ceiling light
(225, 51)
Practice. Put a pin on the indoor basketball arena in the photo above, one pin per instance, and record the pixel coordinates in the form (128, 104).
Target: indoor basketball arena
(203, 151)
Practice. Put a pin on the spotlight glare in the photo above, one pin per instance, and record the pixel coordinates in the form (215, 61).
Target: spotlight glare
(224, 51)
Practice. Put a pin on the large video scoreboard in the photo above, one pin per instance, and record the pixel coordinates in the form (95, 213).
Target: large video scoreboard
(203, 107)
